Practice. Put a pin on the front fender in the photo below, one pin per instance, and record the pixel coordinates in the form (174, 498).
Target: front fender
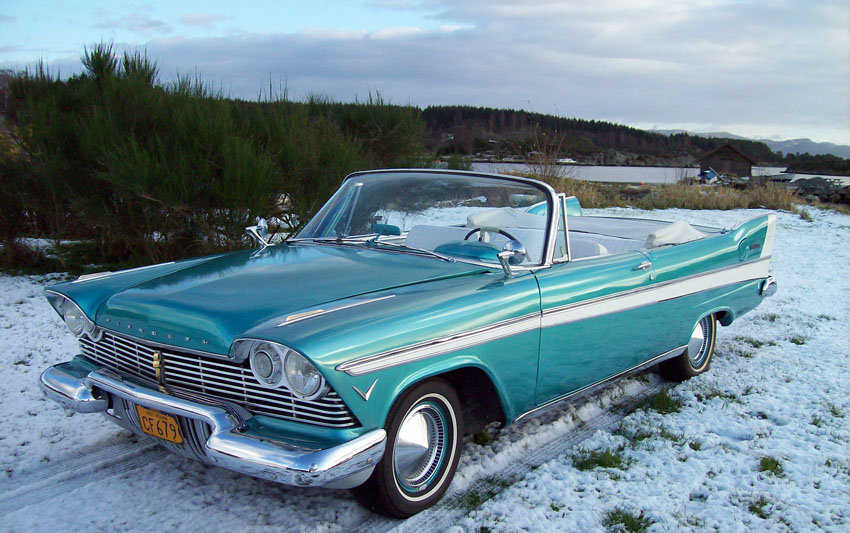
(403, 318)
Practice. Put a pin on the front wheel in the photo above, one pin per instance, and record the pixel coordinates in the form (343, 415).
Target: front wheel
(697, 358)
(424, 431)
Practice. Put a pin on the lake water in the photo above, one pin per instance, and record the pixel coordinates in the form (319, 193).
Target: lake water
(617, 174)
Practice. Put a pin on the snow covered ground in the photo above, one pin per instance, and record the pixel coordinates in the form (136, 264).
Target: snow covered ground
(762, 441)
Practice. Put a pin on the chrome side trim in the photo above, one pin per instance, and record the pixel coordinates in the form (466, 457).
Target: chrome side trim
(546, 407)
(314, 312)
(440, 346)
(658, 292)
(227, 444)
(101, 275)
(603, 305)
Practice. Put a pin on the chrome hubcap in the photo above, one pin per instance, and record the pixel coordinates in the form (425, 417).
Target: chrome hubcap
(698, 345)
(419, 446)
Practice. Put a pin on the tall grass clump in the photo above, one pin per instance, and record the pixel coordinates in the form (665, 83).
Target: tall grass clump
(685, 196)
(151, 172)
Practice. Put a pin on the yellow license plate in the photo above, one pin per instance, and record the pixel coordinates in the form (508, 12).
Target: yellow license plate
(160, 425)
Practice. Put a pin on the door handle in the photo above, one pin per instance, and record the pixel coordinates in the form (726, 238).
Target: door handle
(646, 265)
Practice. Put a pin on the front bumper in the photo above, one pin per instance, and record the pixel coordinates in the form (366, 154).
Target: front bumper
(227, 444)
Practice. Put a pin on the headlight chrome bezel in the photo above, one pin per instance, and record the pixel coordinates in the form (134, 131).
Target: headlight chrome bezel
(65, 306)
(256, 351)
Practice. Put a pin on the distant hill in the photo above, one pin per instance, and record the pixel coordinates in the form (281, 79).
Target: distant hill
(499, 132)
(792, 146)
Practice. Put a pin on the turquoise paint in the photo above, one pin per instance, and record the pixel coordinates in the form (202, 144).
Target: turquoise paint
(471, 250)
(575, 354)
(414, 314)
(219, 298)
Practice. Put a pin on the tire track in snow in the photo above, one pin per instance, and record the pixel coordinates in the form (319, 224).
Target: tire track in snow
(63, 476)
(452, 507)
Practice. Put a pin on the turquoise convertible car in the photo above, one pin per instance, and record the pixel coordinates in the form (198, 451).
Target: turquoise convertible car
(417, 306)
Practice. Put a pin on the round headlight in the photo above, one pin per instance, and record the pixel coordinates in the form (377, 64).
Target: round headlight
(74, 317)
(267, 363)
(302, 377)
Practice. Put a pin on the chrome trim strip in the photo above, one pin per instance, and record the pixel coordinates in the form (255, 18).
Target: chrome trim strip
(101, 275)
(658, 292)
(226, 445)
(314, 312)
(441, 345)
(546, 407)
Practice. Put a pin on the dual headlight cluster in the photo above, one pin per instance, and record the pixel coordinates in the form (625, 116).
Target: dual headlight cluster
(74, 318)
(274, 365)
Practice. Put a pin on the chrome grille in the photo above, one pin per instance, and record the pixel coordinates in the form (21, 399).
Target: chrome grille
(185, 372)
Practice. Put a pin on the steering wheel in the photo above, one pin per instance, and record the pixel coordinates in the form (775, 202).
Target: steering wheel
(482, 231)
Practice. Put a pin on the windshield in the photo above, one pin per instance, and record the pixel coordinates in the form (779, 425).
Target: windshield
(463, 216)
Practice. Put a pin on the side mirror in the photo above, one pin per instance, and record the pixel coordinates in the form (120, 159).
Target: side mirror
(513, 253)
(260, 232)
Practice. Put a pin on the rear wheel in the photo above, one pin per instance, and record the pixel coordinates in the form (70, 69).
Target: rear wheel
(697, 358)
(424, 430)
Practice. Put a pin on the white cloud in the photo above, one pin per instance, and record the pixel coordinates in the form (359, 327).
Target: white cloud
(776, 67)
(203, 20)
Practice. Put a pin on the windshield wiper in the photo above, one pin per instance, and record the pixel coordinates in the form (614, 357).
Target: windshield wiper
(405, 248)
(374, 243)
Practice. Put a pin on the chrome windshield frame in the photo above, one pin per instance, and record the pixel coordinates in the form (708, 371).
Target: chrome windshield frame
(550, 231)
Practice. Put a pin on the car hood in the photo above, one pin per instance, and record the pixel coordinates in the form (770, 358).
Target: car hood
(205, 306)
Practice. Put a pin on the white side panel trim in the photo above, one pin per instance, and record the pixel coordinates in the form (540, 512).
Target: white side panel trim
(655, 293)
(441, 346)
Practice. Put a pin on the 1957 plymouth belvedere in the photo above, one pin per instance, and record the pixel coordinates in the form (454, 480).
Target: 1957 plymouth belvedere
(415, 305)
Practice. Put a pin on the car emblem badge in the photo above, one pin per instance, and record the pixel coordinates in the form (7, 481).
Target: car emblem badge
(159, 370)
(365, 395)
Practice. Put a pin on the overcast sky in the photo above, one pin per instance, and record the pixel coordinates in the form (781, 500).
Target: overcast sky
(770, 68)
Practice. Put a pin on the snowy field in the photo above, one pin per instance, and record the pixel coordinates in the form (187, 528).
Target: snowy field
(760, 442)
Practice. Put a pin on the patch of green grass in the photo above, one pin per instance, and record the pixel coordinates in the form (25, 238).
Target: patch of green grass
(770, 317)
(799, 340)
(588, 460)
(662, 403)
(826, 317)
(643, 378)
(759, 508)
(816, 421)
(835, 411)
(482, 438)
(714, 393)
(770, 465)
(555, 507)
(755, 343)
(742, 352)
(485, 490)
(622, 520)
(695, 445)
(805, 215)
(667, 435)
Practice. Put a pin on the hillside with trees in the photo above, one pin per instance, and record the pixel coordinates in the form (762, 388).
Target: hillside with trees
(475, 130)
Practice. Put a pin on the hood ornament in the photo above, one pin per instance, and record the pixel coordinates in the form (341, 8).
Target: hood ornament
(260, 232)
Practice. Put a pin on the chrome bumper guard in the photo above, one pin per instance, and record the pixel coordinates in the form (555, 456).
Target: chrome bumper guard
(342, 466)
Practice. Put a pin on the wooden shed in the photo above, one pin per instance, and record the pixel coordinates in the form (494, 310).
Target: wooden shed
(727, 160)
